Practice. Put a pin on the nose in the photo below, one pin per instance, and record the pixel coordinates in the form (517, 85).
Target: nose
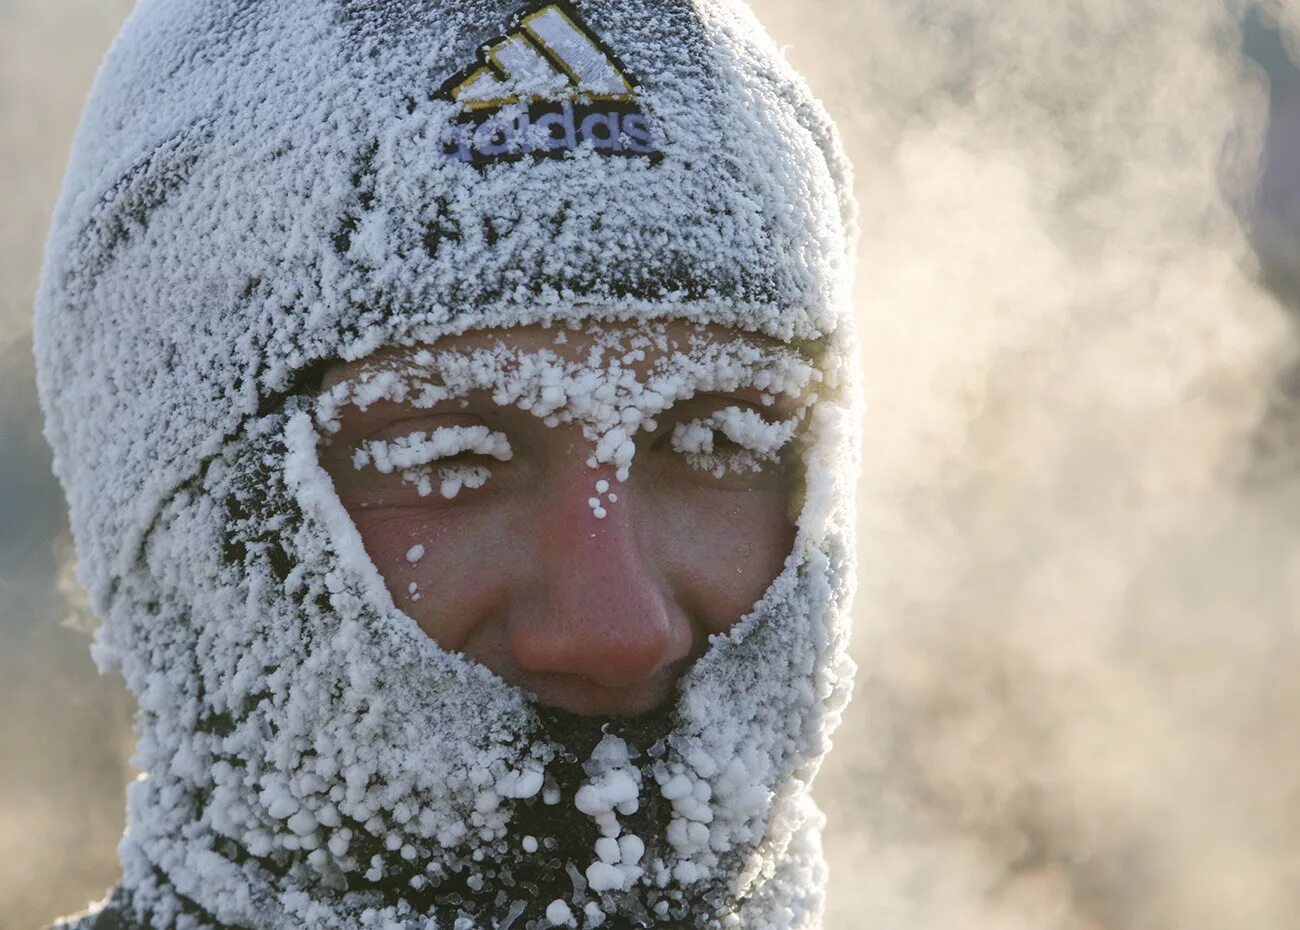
(601, 626)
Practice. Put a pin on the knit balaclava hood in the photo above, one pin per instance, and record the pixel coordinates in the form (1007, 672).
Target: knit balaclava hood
(259, 187)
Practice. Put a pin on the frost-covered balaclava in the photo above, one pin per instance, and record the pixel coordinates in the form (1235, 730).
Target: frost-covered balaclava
(259, 187)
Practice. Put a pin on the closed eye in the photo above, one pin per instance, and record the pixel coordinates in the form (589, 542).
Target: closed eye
(735, 439)
(448, 458)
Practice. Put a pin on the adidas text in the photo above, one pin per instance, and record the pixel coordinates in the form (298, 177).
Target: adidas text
(552, 131)
(546, 89)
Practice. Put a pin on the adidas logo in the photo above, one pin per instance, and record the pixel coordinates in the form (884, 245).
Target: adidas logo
(545, 88)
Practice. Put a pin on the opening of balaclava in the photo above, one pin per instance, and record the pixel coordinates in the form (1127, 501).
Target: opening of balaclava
(261, 190)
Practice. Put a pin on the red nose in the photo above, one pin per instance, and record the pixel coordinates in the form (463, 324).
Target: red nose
(600, 623)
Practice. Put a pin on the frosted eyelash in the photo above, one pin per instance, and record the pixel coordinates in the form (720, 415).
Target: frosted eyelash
(414, 457)
(760, 440)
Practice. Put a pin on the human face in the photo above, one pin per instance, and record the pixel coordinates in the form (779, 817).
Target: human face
(584, 570)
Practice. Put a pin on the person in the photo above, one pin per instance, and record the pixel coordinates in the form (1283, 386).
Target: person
(455, 404)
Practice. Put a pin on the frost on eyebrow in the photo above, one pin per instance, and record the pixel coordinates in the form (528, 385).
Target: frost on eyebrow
(758, 441)
(414, 454)
(603, 392)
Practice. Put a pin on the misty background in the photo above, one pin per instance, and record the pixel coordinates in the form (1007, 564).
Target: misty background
(1080, 517)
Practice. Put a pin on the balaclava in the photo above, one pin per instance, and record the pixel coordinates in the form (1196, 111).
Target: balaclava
(259, 187)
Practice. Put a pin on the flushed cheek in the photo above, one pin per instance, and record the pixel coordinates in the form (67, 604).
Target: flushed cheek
(723, 551)
(439, 571)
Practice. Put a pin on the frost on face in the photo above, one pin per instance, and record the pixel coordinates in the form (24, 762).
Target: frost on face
(414, 457)
(366, 778)
(752, 440)
(612, 393)
(439, 786)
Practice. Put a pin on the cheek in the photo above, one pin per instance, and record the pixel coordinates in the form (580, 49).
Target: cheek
(442, 570)
(721, 551)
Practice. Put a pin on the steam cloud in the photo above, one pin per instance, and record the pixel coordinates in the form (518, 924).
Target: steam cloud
(1080, 561)
(1080, 564)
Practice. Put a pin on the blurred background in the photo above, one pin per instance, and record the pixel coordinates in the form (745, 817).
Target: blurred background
(1080, 520)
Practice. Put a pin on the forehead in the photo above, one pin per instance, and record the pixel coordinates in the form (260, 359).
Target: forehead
(651, 342)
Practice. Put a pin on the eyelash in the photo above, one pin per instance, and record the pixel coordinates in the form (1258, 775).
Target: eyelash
(749, 441)
(461, 450)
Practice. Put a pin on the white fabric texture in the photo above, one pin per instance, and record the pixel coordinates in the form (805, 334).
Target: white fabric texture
(261, 186)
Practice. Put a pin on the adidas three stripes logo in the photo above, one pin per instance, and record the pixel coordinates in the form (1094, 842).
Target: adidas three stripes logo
(544, 89)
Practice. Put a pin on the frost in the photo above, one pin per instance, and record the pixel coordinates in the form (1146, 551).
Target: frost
(609, 398)
(604, 877)
(677, 787)
(422, 448)
(411, 456)
(395, 764)
(755, 440)
(631, 849)
(606, 848)
(258, 190)
(559, 914)
(466, 476)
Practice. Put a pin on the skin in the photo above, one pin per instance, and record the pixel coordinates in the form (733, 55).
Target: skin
(592, 616)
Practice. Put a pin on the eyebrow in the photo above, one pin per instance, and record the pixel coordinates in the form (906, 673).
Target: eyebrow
(431, 380)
